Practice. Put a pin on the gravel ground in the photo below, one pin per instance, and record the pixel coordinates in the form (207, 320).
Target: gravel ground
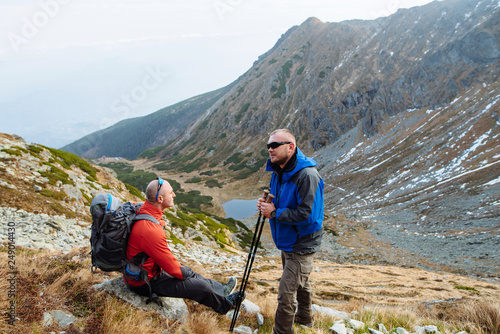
(469, 252)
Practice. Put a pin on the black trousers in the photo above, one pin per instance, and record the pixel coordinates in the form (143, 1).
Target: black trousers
(195, 287)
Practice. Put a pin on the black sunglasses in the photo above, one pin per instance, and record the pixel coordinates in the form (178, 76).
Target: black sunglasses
(276, 144)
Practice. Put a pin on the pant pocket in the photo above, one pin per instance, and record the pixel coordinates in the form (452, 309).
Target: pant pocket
(306, 263)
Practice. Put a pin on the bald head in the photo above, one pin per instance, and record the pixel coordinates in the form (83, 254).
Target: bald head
(283, 148)
(160, 194)
(151, 191)
(284, 135)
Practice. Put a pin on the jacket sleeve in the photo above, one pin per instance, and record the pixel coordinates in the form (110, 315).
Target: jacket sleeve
(157, 248)
(307, 183)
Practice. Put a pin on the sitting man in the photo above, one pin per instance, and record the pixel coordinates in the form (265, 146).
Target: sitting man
(167, 277)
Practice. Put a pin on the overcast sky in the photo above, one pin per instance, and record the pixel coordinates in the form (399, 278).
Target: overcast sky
(72, 67)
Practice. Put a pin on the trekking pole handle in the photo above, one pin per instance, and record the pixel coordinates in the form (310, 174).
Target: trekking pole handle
(266, 194)
(269, 198)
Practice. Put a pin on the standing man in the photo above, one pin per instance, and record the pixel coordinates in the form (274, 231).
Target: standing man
(167, 277)
(296, 219)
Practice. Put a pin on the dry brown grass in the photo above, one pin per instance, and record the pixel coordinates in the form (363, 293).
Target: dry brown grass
(396, 297)
(481, 317)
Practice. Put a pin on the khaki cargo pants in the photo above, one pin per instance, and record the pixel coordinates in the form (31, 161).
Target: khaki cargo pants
(294, 294)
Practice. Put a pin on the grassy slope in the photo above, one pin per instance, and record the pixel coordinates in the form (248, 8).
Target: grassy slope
(389, 295)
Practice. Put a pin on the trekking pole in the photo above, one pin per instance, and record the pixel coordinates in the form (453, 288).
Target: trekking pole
(251, 256)
(243, 285)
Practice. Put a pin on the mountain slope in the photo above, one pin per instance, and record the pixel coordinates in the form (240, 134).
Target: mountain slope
(429, 181)
(323, 79)
(130, 137)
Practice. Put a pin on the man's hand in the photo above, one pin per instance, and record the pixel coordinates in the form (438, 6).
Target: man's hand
(265, 208)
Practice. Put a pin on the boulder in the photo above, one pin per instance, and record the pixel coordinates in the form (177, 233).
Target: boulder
(329, 311)
(173, 308)
(61, 318)
(338, 328)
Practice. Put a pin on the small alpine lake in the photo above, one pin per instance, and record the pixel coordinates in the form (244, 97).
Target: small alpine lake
(240, 208)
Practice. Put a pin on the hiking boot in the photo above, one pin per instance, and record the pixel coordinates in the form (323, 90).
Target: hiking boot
(234, 297)
(229, 286)
(304, 322)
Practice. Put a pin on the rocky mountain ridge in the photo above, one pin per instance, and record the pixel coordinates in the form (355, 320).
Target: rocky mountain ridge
(431, 182)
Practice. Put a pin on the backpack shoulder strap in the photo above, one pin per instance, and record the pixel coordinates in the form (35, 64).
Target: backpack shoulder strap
(144, 216)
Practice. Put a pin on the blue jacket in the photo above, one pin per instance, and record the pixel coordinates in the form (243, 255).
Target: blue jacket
(298, 187)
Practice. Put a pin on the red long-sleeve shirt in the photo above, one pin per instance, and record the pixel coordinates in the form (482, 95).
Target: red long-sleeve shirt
(149, 237)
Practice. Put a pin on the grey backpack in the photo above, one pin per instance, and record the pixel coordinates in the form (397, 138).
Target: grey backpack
(112, 222)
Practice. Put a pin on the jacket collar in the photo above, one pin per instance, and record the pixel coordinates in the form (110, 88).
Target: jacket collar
(297, 162)
(150, 209)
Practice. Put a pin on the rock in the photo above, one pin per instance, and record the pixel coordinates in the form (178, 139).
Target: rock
(173, 308)
(329, 311)
(374, 331)
(338, 328)
(229, 315)
(249, 307)
(243, 330)
(382, 328)
(47, 319)
(431, 329)
(357, 325)
(401, 330)
(57, 223)
(419, 330)
(62, 318)
(260, 319)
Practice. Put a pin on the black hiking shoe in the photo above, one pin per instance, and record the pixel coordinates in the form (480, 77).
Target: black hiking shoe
(234, 297)
(229, 286)
(304, 322)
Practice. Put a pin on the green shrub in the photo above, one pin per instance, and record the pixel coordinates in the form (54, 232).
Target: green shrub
(138, 179)
(193, 199)
(58, 195)
(67, 160)
(282, 78)
(35, 149)
(194, 180)
(134, 191)
(153, 151)
(55, 174)
(187, 218)
(88, 200)
(236, 158)
(177, 222)
(12, 152)
(242, 111)
(176, 240)
(459, 287)
(212, 183)
(211, 224)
